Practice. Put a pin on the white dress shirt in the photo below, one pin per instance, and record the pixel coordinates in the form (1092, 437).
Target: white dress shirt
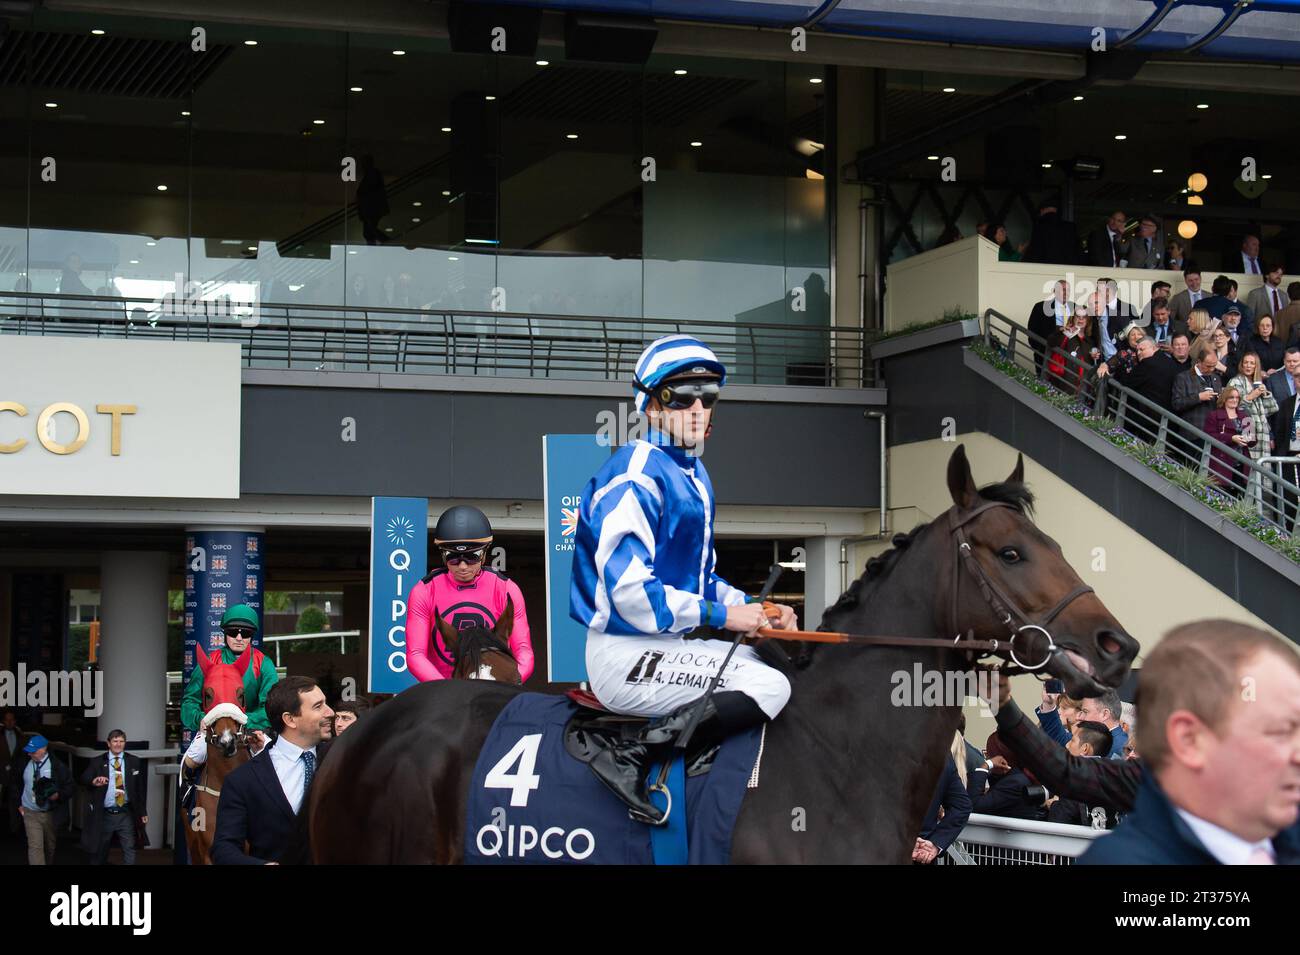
(1250, 266)
(292, 771)
(1228, 847)
(110, 791)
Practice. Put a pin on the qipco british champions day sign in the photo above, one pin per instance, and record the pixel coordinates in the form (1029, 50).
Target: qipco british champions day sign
(399, 555)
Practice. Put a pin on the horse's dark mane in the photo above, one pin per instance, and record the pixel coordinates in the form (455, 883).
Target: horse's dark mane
(473, 643)
(1013, 493)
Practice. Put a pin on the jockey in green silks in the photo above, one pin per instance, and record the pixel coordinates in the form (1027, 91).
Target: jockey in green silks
(239, 624)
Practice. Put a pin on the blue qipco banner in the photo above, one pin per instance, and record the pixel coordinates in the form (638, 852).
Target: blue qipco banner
(222, 568)
(568, 462)
(399, 554)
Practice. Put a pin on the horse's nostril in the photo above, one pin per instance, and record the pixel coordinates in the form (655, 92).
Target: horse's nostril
(1108, 642)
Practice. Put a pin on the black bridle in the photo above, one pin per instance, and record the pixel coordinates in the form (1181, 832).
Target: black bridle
(1004, 607)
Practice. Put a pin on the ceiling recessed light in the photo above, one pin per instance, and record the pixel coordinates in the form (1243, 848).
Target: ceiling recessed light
(51, 105)
(252, 248)
(399, 53)
(1267, 175)
(151, 242)
(162, 188)
(352, 251)
(1120, 136)
(932, 158)
(814, 79)
(415, 218)
(1157, 171)
(185, 112)
(679, 72)
(250, 43)
(1047, 165)
(453, 258)
(446, 192)
(543, 62)
(417, 202)
(1202, 105)
(134, 261)
(318, 122)
(696, 142)
(446, 129)
(950, 89)
(388, 228)
(489, 98)
(1078, 99)
(354, 89)
(570, 135)
(97, 32)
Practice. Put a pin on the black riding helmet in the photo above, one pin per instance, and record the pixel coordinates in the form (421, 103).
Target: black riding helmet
(462, 528)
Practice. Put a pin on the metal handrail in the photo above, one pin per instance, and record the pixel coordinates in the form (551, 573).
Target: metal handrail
(1172, 435)
(430, 341)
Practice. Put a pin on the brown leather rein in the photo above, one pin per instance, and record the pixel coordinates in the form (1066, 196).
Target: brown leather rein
(1007, 610)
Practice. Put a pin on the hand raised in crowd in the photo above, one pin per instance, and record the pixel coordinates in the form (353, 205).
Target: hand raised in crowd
(258, 742)
(1049, 700)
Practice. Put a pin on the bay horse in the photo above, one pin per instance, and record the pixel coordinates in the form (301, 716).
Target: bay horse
(857, 768)
(479, 653)
(224, 727)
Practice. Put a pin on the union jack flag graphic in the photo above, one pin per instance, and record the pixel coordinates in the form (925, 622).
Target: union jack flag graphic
(569, 521)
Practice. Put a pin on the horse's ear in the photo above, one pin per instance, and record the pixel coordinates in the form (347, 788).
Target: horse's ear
(450, 638)
(960, 483)
(244, 660)
(1018, 475)
(506, 622)
(201, 658)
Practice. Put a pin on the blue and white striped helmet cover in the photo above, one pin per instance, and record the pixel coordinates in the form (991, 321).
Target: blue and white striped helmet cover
(672, 355)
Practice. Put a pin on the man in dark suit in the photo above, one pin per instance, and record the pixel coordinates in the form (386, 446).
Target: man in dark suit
(1048, 316)
(1153, 378)
(938, 834)
(1146, 250)
(1181, 305)
(1053, 240)
(260, 800)
(1107, 245)
(1162, 327)
(1285, 385)
(1222, 785)
(11, 744)
(1282, 383)
(118, 803)
(1286, 323)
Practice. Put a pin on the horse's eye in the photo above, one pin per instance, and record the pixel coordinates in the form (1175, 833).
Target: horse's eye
(1010, 555)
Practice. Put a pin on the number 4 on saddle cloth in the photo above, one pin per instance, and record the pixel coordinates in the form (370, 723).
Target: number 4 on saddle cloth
(533, 799)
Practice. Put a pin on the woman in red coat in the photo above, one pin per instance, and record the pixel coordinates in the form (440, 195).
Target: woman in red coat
(1230, 429)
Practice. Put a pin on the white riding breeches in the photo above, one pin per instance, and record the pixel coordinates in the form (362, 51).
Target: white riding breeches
(653, 675)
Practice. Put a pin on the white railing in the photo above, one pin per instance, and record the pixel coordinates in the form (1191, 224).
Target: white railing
(1001, 840)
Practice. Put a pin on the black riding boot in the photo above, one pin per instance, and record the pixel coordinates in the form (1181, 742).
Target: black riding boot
(624, 766)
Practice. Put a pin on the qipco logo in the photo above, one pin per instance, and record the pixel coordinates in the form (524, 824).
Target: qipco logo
(515, 842)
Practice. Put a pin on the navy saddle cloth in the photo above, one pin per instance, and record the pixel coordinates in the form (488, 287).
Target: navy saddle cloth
(531, 802)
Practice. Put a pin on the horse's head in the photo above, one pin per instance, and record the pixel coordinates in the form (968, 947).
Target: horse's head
(224, 718)
(1010, 578)
(479, 653)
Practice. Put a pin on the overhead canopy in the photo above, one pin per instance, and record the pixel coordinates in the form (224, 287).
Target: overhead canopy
(1266, 31)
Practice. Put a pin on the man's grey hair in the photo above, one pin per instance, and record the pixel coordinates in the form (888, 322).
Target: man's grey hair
(1110, 701)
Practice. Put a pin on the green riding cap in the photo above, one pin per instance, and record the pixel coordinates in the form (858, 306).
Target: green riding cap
(240, 613)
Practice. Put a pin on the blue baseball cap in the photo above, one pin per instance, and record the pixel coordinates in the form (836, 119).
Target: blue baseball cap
(36, 742)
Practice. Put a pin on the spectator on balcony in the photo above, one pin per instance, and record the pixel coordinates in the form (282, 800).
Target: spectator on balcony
(1225, 353)
(1220, 780)
(1161, 328)
(1231, 429)
(1286, 323)
(1247, 313)
(982, 229)
(1072, 349)
(1107, 246)
(1146, 249)
(1006, 251)
(1160, 292)
(1197, 389)
(1175, 255)
(1051, 713)
(1265, 345)
(1118, 313)
(1217, 302)
(372, 201)
(1234, 324)
(70, 281)
(1286, 429)
(1256, 400)
(1181, 305)
(1180, 347)
(1250, 255)
(1053, 240)
(1269, 298)
(1201, 327)
(1152, 378)
(1047, 318)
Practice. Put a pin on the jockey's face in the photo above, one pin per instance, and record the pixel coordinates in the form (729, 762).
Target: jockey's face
(238, 639)
(686, 426)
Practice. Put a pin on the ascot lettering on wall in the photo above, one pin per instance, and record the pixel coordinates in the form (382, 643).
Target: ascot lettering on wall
(45, 431)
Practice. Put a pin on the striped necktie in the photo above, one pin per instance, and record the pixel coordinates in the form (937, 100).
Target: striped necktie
(120, 798)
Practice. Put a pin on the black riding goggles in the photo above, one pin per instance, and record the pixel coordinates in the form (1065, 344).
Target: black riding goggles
(462, 556)
(244, 633)
(680, 395)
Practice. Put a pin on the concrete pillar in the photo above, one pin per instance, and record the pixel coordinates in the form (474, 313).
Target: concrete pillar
(133, 656)
(821, 578)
